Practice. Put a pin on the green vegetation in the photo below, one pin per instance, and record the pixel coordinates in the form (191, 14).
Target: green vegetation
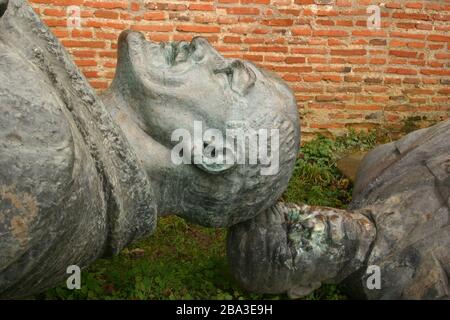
(183, 261)
(316, 179)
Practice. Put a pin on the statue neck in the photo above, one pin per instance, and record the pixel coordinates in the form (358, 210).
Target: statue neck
(153, 156)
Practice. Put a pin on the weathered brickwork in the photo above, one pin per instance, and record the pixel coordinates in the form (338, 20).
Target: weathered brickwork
(344, 74)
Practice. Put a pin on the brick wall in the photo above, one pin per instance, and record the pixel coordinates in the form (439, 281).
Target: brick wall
(343, 73)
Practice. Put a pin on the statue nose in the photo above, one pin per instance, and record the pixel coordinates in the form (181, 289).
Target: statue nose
(3, 7)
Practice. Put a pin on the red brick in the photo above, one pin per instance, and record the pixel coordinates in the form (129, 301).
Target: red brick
(414, 5)
(86, 44)
(55, 12)
(84, 53)
(278, 22)
(393, 5)
(295, 60)
(252, 57)
(268, 49)
(106, 14)
(82, 33)
(61, 33)
(101, 4)
(292, 77)
(135, 6)
(255, 1)
(308, 51)
(86, 63)
(410, 16)
(349, 52)
(201, 7)
(330, 33)
(198, 29)
(231, 39)
(304, 2)
(55, 22)
(401, 71)
(243, 11)
(436, 72)
(405, 54)
(154, 16)
(153, 28)
(67, 2)
(301, 31)
(329, 57)
(439, 38)
(395, 34)
(106, 35)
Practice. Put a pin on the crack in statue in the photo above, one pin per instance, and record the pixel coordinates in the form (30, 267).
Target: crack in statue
(83, 176)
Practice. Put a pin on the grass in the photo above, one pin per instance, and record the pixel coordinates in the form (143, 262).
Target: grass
(183, 261)
(316, 179)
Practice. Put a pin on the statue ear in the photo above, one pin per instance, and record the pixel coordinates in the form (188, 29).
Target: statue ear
(240, 76)
(3, 7)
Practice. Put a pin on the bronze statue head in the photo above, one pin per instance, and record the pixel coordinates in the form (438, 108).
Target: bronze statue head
(162, 88)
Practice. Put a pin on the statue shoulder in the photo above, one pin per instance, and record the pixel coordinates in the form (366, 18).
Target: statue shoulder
(422, 147)
(35, 135)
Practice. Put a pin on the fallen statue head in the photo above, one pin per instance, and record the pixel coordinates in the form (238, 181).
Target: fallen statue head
(160, 89)
(83, 176)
